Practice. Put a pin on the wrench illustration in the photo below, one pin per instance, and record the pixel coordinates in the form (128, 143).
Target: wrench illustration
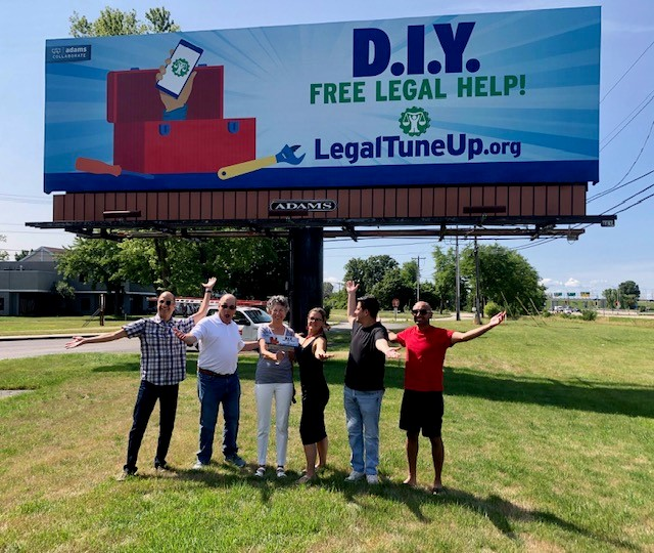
(287, 155)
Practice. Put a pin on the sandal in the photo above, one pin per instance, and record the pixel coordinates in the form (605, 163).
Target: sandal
(306, 479)
(260, 472)
(281, 473)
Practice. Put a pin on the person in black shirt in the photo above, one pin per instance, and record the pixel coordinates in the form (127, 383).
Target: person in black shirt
(364, 383)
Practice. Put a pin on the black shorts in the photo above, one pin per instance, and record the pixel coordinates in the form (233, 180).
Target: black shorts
(422, 410)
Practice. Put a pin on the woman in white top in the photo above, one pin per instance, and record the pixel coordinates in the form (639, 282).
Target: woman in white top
(274, 379)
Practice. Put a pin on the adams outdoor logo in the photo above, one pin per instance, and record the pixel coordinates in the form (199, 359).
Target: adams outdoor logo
(302, 205)
(414, 121)
(58, 54)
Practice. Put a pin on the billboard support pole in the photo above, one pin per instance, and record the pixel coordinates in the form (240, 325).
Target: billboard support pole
(305, 286)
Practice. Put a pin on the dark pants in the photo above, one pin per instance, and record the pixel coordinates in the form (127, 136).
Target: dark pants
(145, 401)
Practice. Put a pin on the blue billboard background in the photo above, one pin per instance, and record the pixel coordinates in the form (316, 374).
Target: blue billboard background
(470, 99)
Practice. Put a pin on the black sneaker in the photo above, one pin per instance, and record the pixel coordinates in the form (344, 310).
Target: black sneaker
(235, 460)
(125, 474)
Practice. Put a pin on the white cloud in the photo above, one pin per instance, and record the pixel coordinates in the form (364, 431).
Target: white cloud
(550, 282)
(572, 283)
(332, 280)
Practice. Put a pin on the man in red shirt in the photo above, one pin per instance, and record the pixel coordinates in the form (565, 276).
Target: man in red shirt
(422, 404)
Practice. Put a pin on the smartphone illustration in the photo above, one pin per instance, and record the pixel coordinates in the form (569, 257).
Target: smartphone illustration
(178, 71)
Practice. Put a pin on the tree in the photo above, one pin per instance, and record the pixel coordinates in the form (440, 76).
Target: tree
(368, 272)
(629, 294)
(611, 295)
(22, 254)
(506, 278)
(114, 22)
(327, 289)
(393, 285)
(4, 256)
(94, 262)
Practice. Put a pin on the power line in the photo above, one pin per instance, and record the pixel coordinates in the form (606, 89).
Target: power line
(627, 71)
(617, 187)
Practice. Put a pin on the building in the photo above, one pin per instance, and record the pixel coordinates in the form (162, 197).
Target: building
(29, 287)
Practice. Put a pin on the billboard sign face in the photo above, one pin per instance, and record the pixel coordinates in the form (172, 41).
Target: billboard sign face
(464, 99)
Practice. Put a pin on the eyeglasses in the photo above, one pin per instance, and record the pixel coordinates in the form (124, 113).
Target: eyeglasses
(315, 320)
(227, 306)
(419, 311)
(167, 302)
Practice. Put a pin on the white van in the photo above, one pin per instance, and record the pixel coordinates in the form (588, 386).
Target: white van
(248, 319)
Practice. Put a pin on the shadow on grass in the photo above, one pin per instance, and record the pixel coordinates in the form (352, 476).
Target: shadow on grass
(632, 401)
(502, 513)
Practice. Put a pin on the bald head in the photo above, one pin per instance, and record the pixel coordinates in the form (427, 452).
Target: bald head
(227, 308)
(421, 313)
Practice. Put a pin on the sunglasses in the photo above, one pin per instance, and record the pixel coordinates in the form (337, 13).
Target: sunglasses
(419, 311)
(315, 320)
(167, 302)
(227, 306)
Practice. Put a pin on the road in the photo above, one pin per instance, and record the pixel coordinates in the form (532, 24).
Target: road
(15, 349)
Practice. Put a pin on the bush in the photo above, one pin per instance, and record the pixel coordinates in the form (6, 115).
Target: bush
(546, 314)
(589, 314)
(491, 309)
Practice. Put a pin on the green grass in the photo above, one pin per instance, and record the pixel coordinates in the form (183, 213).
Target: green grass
(549, 441)
(29, 326)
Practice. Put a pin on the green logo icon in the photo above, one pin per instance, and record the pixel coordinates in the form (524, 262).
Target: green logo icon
(181, 67)
(414, 121)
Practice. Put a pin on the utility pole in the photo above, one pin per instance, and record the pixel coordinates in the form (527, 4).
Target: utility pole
(417, 260)
(458, 281)
(477, 294)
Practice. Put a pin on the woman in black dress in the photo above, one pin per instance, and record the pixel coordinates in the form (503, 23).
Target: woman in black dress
(310, 355)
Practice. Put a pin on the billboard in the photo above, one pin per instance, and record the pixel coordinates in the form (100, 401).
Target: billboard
(444, 100)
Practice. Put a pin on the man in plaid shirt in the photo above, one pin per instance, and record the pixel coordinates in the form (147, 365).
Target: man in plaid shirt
(163, 367)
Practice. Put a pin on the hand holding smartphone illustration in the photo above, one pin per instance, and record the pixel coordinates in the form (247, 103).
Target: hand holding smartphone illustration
(178, 69)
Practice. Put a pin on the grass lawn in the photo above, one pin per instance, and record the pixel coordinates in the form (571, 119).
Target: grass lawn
(548, 431)
(29, 326)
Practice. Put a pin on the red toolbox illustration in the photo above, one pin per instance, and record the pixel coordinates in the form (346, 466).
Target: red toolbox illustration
(202, 142)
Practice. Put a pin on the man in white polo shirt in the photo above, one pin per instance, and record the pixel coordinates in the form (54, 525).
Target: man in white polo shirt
(218, 382)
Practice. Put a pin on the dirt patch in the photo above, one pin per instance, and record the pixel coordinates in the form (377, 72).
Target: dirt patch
(9, 393)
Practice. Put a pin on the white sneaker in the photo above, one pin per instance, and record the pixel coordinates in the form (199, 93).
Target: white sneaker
(260, 472)
(354, 476)
(198, 466)
(281, 473)
(372, 479)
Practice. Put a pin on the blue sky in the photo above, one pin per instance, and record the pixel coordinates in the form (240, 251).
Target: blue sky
(602, 258)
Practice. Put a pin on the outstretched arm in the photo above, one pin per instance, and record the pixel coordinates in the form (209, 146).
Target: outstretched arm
(187, 338)
(476, 332)
(351, 299)
(206, 298)
(108, 337)
(250, 346)
(388, 351)
(320, 350)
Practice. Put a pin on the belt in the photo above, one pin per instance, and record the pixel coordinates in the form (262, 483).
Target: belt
(211, 373)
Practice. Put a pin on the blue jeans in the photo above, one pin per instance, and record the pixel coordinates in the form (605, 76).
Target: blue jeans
(212, 391)
(145, 401)
(362, 412)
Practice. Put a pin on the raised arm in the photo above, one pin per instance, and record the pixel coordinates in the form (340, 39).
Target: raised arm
(107, 337)
(476, 332)
(351, 299)
(206, 299)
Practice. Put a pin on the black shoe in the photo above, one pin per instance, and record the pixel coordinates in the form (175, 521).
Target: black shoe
(125, 474)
